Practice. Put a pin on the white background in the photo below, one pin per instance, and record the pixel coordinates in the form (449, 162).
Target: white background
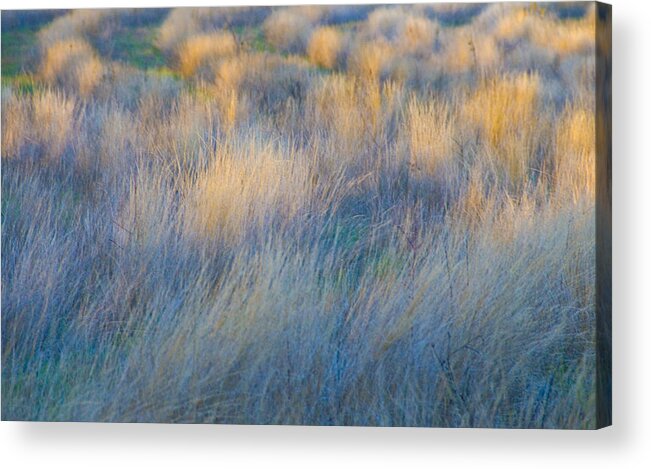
(626, 444)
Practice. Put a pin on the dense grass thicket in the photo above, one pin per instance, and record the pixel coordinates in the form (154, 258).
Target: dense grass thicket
(351, 215)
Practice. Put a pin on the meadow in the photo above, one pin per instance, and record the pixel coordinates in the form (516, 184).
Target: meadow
(312, 215)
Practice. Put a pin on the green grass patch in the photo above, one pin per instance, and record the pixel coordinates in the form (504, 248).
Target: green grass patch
(164, 72)
(21, 83)
(18, 46)
(136, 47)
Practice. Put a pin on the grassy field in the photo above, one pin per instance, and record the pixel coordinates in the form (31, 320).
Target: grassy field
(350, 215)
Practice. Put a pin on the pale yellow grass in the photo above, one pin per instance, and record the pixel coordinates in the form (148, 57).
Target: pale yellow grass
(405, 242)
(505, 112)
(203, 50)
(513, 24)
(430, 127)
(324, 47)
(244, 189)
(40, 124)
(575, 153)
(72, 64)
(565, 37)
(334, 104)
(15, 122)
(369, 59)
(353, 109)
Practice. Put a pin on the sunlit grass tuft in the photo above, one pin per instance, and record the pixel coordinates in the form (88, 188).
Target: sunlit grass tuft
(72, 65)
(203, 50)
(325, 46)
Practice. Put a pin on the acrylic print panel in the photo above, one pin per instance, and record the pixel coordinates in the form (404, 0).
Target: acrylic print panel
(308, 215)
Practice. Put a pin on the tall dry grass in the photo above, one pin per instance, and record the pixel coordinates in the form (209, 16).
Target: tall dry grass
(288, 30)
(37, 127)
(361, 216)
(76, 24)
(431, 134)
(575, 157)
(504, 111)
(272, 185)
(202, 50)
(73, 66)
(182, 23)
(325, 47)
(535, 24)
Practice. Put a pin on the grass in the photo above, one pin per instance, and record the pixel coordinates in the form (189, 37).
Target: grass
(254, 37)
(201, 50)
(324, 47)
(375, 220)
(137, 47)
(17, 44)
(22, 83)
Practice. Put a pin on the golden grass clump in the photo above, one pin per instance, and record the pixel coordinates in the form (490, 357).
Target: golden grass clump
(430, 127)
(230, 76)
(38, 125)
(204, 50)
(353, 110)
(368, 60)
(229, 73)
(52, 121)
(563, 37)
(89, 74)
(246, 189)
(15, 123)
(575, 154)
(566, 37)
(325, 47)
(335, 105)
(230, 107)
(505, 112)
(73, 65)
(513, 24)
(500, 107)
